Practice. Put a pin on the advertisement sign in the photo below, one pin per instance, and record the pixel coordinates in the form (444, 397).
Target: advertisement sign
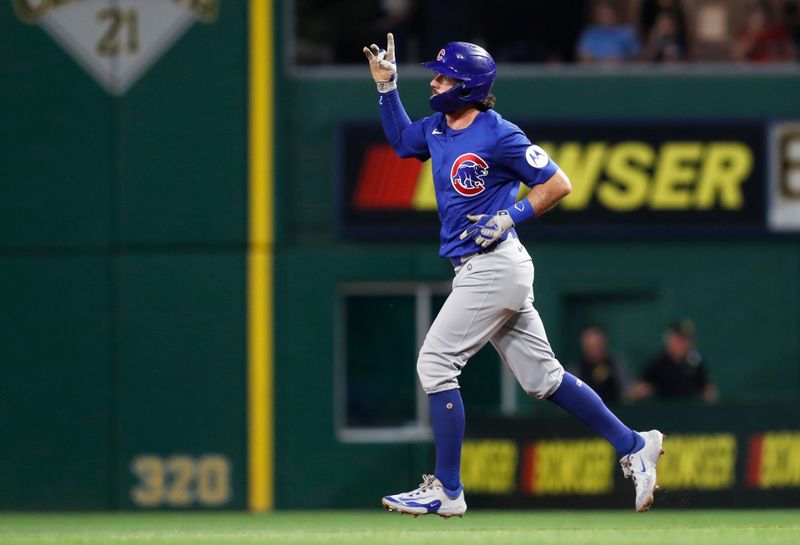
(627, 177)
(784, 191)
(728, 457)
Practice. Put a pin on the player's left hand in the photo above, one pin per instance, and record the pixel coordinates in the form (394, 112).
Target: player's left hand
(488, 228)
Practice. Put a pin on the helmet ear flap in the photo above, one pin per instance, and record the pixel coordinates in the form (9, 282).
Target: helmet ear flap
(467, 92)
(458, 96)
(462, 90)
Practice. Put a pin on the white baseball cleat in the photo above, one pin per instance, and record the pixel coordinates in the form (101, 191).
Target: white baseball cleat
(641, 466)
(430, 498)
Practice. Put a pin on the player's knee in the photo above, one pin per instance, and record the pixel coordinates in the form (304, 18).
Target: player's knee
(542, 385)
(437, 374)
(540, 393)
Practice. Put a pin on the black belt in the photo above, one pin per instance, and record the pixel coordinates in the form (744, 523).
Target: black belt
(462, 259)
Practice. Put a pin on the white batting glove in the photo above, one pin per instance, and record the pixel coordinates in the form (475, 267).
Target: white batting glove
(488, 228)
(382, 65)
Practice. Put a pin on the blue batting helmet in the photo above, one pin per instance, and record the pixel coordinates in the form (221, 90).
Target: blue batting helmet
(472, 66)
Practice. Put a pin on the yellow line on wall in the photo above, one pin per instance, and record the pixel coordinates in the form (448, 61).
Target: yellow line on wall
(260, 260)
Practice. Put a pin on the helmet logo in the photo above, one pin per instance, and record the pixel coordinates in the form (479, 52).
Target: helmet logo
(440, 56)
(467, 174)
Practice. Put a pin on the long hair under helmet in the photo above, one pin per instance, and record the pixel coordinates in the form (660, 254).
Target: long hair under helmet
(474, 69)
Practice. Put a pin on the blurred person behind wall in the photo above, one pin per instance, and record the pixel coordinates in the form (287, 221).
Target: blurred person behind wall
(650, 11)
(400, 18)
(663, 26)
(598, 367)
(791, 17)
(679, 371)
(445, 21)
(538, 32)
(762, 38)
(334, 31)
(327, 31)
(607, 39)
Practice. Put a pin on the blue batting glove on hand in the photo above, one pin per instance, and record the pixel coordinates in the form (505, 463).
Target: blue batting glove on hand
(488, 228)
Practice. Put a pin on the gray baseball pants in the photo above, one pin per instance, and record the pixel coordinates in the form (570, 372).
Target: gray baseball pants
(491, 301)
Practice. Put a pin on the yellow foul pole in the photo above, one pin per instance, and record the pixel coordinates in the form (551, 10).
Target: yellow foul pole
(260, 259)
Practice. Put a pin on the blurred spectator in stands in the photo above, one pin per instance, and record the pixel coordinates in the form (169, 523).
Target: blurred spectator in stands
(329, 30)
(679, 372)
(599, 368)
(396, 16)
(445, 21)
(607, 40)
(791, 13)
(334, 31)
(664, 42)
(539, 32)
(652, 9)
(763, 38)
(664, 28)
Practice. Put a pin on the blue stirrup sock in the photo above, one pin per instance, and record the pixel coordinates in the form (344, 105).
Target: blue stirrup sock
(447, 420)
(579, 400)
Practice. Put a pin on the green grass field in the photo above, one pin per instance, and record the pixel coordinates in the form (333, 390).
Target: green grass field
(699, 527)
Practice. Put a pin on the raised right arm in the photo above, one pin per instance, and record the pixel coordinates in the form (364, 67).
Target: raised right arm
(406, 138)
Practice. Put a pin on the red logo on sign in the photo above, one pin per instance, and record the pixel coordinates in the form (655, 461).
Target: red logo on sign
(467, 174)
(440, 56)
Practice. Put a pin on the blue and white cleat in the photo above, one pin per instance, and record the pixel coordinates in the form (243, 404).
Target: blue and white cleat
(430, 498)
(641, 467)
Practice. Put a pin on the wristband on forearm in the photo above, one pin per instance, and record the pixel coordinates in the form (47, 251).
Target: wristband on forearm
(391, 85)
(386, 86)
(521, 211)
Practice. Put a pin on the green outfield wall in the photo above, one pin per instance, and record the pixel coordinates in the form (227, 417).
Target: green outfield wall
(122, 259)
(123, 243)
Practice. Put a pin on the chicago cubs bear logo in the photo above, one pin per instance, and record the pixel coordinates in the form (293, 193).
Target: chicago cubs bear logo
(440, 56)
(467, 174)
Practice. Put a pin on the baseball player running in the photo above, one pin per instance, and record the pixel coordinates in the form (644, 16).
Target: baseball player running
(478, 159)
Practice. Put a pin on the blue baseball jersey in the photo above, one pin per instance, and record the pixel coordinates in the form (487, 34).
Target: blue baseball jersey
(476, 170)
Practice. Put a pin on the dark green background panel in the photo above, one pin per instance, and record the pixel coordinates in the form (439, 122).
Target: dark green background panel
(55, 143)
(183, 140)
(377, 392)
(122, 263)
(308, 455)
(182, 374)
(55, 391)
(655, 94)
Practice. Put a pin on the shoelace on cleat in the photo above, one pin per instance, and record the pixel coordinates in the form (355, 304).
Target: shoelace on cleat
(425, 485)
(625, 463)
(627, 468)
